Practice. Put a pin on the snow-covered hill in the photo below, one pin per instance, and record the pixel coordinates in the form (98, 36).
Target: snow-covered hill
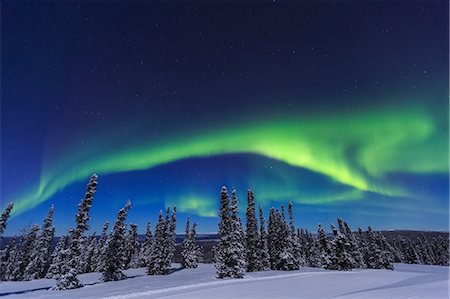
(407, 281)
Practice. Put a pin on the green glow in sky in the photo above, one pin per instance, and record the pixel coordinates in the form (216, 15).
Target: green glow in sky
(353, 149)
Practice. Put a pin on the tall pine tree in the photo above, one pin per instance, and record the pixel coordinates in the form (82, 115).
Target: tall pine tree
(251, 235)
(114, 258)
(68, 278)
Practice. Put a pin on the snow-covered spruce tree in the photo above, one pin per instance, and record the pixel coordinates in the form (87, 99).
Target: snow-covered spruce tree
(198, 250)
(293, 241)
(171, 236)
(157, 264)
(59, 257)
(340, 258)
(230, 252)
(13, 258)
(386, 257)
(68, 278)
(374, 252)
(313, 250)
(87, 262)
(8, 254)
(440, 247)
(222, 252)
(237, 237)
(324, 247)
(40, 259)
(100, 248)
(4, 218)
(355, 251)
(132, 248)
(146, 247)
(190, 251)
(26, 249)
(251, 235)
(288, 260)
(273, 233)
(114, 259)
(264, 262)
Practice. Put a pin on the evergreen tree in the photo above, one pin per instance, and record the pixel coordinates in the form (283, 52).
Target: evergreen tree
(264, 262)
(237, 238)
(293, 242)
(275, 237)
(4, 218)
(251, 235)
(8, 254)
(171, 236)
(377, 255)
(289, 244)
(88, 262)
(324, 247)
(190, 252)
(59, 256)
(100, 248)
(13, 259)
(26, 250)
(146, 248)
(133, 248)
(40, 259)
(68, 278)
(385, 252)
(354, 249)
(114, 259)
(230, 252)
(340, 258)
(157, 264)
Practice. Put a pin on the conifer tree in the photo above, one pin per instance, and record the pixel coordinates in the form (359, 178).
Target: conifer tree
(355, 250)
(132, 248)
(272, 231)
(293, 242)
(288, 259)
(100, 248)
(324, 247)
(59, 257)
(146, 248)
(237, 238)
(114, 259)
(251, 235)
(40, 259)
(7, 255)
(264, 262)
(4, 218)
(26, 250)
(13, 259)
(88, 263)
(190, 252)
(68, 278)
(171, 236)
(340, 258)
(157, 264)
(230, 252)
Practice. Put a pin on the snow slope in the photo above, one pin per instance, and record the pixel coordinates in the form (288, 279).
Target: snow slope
(407, 281)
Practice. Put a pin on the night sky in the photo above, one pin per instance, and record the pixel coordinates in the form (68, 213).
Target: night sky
(340, 108)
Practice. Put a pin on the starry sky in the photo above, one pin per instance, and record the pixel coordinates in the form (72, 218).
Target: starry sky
(341, 108)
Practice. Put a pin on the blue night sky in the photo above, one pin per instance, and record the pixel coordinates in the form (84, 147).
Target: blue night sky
(340, 108)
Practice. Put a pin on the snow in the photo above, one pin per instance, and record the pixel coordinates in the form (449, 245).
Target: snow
(406, 281)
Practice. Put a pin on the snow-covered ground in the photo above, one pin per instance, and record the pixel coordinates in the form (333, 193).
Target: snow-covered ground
(407, 281)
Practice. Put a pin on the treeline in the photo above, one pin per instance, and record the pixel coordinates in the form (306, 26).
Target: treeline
(277, 245)
(31, 257)
(282, 246)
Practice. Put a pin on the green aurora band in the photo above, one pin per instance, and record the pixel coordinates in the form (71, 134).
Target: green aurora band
(354, 149)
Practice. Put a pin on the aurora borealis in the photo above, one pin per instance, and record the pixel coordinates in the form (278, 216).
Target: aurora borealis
(342, 109)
